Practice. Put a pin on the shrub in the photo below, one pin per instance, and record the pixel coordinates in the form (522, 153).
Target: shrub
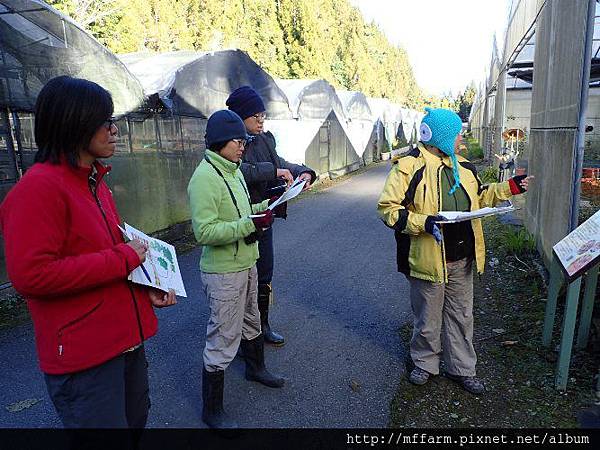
(517, 241)
(489, 175)
(475, 150)
(475, 153)
(399, 142)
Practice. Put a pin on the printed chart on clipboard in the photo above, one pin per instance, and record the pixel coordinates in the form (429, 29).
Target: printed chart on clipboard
(161, 268)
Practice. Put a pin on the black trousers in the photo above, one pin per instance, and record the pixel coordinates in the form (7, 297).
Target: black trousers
(111, 395)
(264, 265)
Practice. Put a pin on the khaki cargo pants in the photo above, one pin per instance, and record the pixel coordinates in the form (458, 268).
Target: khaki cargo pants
(234, 315)
(443, 323)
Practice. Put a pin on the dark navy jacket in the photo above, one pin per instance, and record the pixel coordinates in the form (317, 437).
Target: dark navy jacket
(259, 166)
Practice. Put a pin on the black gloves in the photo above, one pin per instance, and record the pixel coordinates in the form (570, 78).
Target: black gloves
(515, 184)
(432, 228)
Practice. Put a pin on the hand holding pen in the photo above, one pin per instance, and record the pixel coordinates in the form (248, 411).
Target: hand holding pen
(140, 248)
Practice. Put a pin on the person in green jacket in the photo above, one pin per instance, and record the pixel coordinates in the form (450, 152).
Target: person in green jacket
(225, 224)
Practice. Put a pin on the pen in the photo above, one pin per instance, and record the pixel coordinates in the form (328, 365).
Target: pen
(145, 272)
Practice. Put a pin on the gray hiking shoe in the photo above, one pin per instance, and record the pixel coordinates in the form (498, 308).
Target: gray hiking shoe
(418, 376)
(470, 384)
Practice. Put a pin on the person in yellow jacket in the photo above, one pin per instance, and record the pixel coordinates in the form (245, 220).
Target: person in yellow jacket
(438, 259)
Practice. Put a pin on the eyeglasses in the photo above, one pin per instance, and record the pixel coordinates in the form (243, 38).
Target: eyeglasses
(240, 142)
(260, 116)
(110, 123)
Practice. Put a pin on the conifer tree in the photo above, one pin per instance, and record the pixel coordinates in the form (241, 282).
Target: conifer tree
(326, 39)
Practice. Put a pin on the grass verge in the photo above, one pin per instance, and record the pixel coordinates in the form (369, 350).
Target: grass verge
(474, 150)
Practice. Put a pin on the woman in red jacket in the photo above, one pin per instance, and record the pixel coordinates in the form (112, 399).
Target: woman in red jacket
(66, 256)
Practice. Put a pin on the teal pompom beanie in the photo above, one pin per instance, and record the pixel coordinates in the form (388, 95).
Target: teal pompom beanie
(439, 129)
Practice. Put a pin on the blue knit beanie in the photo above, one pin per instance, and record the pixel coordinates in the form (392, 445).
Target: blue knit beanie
(439, 129)
(224, 126)
(245, 102)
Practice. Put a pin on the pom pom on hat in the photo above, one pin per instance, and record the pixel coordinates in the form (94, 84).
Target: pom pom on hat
(245, 102)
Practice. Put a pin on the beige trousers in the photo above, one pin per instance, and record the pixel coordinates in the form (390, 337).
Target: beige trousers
(234, 315)
(443, 323)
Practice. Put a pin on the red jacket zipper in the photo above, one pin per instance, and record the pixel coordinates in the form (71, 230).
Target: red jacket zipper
(137, 313)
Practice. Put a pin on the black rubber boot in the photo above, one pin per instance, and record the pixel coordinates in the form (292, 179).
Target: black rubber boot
(264, 294)
(254, 354)
(213, 413)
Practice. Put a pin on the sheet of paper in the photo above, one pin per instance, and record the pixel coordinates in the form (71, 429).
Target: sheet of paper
(292, 192)
(161, 264)
(580, 249)
(457, 216)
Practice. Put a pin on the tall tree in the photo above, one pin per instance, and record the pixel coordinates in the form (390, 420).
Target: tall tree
(464, 102)
(288, 38)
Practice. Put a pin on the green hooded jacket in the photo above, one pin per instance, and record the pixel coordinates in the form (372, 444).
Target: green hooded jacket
(215, 220)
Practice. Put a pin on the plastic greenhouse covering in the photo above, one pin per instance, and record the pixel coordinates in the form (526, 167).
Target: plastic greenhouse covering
(392, 118)
(311, 99)
(196, 84)
(379, 107)
(38, 43)
(360, 122)
(410, 124)
(355, 105)
(315, 103)
(293, 137)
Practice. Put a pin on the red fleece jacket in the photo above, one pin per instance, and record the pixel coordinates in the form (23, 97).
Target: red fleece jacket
(65, 254)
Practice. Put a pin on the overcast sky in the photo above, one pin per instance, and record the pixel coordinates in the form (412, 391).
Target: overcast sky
(449, 42)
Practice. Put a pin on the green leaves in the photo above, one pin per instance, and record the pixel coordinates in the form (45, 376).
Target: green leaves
(288, 38)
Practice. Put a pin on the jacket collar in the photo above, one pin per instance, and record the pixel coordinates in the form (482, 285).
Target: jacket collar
(82, 173)
(221, 163)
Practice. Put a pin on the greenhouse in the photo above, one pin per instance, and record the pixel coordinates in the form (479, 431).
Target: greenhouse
(37, 43)
(360, 124)
(399, 124)
(317, 136)
(183, 89)
(355, 105)
(546, 116)
(186, 87)
(410, 124)
(378, 107)
(196, 84)
(519, 83)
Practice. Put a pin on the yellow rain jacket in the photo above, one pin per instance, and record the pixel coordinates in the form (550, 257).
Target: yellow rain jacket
(412, 192)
